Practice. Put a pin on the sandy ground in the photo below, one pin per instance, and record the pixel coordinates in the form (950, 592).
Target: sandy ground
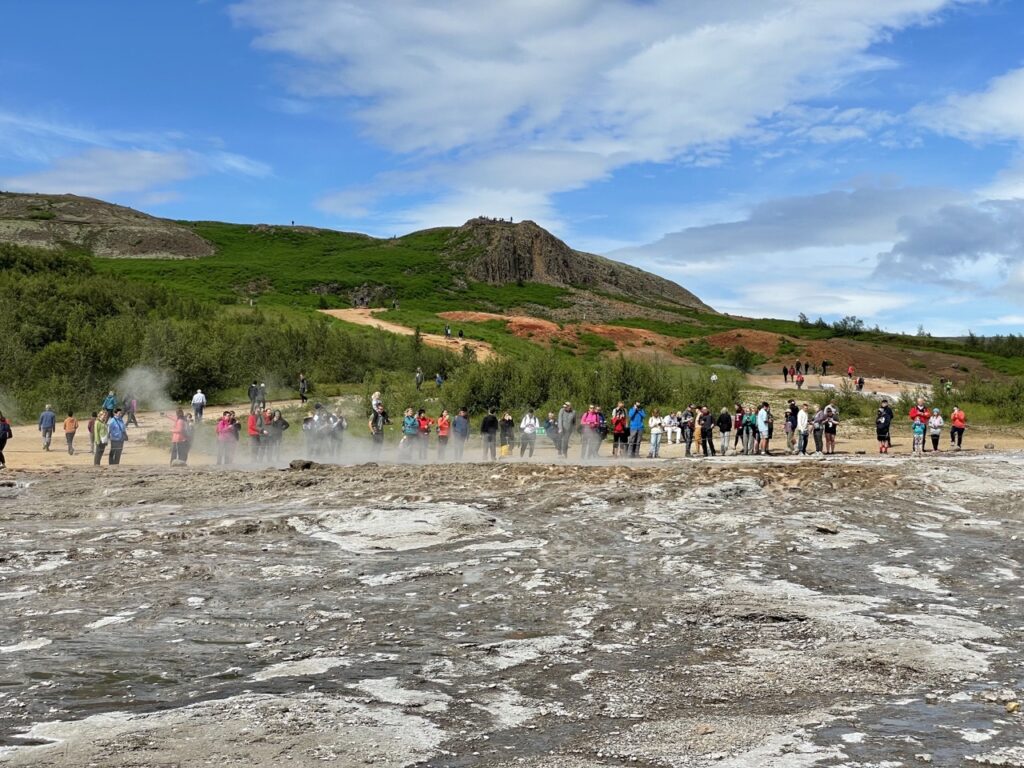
(362, 316)
(879, 387)
(739, 612)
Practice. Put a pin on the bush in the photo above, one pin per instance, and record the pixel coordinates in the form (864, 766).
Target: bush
(847, 399)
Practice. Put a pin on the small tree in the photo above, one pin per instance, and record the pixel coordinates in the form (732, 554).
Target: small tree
(740, 357)
(803, 321)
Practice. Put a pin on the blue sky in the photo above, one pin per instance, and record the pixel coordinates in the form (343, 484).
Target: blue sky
(774, 156)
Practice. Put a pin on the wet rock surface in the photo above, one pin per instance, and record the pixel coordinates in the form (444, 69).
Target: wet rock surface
(843, 613)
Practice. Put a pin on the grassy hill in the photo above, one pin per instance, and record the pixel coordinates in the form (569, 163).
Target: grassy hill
(241, 301)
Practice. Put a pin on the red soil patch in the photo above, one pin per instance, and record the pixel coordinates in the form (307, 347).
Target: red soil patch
(761, 342)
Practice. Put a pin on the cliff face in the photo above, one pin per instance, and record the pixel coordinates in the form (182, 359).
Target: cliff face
(104, 229)
(500, 252)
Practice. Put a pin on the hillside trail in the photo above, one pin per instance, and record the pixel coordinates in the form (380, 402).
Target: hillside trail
(365, 316)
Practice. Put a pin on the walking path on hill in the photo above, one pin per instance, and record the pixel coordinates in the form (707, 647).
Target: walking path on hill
(890, 388)
(363, 316)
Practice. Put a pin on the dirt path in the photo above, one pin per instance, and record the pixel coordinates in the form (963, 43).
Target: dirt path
(890, 388)
(360, 316)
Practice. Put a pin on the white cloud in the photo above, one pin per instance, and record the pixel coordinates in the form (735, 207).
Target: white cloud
(839, 217)
(993, 113)
(104, 172)
(554, 95)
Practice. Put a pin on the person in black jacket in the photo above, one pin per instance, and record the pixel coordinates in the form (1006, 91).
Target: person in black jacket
(489, 433)
(883, 421)
(707, 431)
(724, 424)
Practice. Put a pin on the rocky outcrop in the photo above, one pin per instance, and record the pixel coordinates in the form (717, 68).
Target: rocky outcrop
(500, 252)
(103, 229)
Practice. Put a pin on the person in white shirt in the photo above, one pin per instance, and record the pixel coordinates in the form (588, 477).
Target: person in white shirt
(198, 404)
(803, 422)
(673, 432)
(656, 429)
(528, 426)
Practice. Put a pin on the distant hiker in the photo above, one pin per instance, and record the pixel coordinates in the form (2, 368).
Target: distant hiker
(860, 384)
(438, 380)
(528, 427)
(799, 381)
(118, 433)
(100, 438)
(785, 374)
(798, 367)
(637, 415)
(262, 395)
(70, 428)
(447, 331)
(179, 436)
(714, 377)
(47, 424)
(460, 431)
(303, 389)
(566, 426)
(792, 373)
(461, 335)
(6, 433)
(254, 394)
(198, 404)
(489, 433)
(110, 403)
(824, 367)
(419, 378)
(957, 421)
(849, 372)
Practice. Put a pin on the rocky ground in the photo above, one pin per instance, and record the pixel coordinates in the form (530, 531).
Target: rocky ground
(849, 612)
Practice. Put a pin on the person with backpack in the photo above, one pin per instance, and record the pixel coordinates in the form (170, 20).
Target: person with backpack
(637, 417)
(118, 433)
(378, 420)
(70, 428)
(620, 429)
(528, 427)
(6, 433)
(47, 425)
(109, 404)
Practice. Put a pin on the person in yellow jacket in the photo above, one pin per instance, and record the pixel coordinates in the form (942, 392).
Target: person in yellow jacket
(100, 437)
(70, 428)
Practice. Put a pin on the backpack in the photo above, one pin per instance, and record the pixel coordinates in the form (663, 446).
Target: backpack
(5, 431)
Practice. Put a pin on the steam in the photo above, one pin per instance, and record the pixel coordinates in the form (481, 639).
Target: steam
(7, 407)
(147, 385)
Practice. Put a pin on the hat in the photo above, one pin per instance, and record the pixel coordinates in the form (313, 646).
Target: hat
(935, 410)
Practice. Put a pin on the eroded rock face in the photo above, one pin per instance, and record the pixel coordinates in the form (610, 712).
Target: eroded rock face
(105, 229)
(777, 613)
(500, 252)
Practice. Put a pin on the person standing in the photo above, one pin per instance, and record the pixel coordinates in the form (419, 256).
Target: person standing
(724, 424)
(47, 424)
(6, 433)
(590, 435)
(803, 425)
(198, 405)
(566, 426)
(785, 374)
(849, 372)
(423, 426)
(118, 433)
(935, 424)
(254, 429)
(109, 404)
(824, 367)
(303, 389)
(378, 420)
(262, 396)
(737, 426)
(444, 429)
(958, 423)
(178, 436)
(818, 430)
(506, 429)
(654, 423)
(637, 417)
(799, 367)
(528, 427)
(830, 428)
(100, 438)
(419, 378)
(892, 417)
(275, 435)
(919, 413)
(438, 380)
(225, 437)
(687, 424)
(489, 433)
(707, 431)
(131, 408)
(460, 433)
(750, 432)
(620, 429)
(883, 421)
(762, 428)
(70, 428)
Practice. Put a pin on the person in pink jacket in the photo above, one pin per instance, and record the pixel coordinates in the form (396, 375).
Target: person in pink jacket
(590, 426)
(179, 436)
(227, 437)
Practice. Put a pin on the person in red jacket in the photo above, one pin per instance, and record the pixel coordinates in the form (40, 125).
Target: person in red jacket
(255, 432)
(920, 413)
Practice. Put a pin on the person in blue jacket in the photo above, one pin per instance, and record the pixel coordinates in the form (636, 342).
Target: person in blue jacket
(637, 417)
(47, 424)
